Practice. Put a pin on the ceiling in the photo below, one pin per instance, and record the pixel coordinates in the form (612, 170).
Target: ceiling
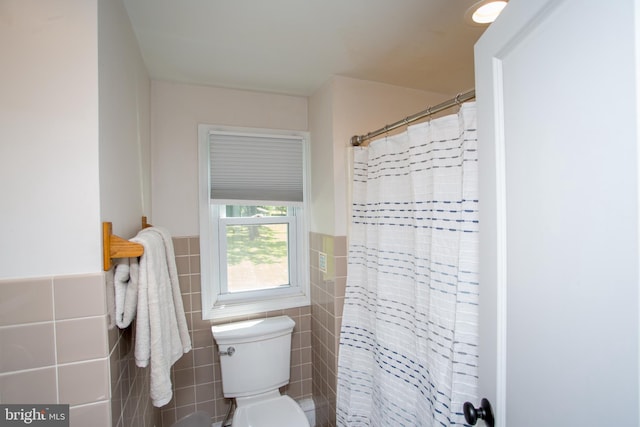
(295, 46)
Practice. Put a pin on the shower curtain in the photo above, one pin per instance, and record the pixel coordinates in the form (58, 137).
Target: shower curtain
(408, 342)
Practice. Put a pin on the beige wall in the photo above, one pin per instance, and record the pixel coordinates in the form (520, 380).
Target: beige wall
(322, 179)
(124, 90)
(344, 107)
(338, 110)
(73, 125)
(176, 112)
(124, 122)
(49, 131)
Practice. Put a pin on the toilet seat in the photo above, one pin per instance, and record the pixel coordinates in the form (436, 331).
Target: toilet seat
(278, 411)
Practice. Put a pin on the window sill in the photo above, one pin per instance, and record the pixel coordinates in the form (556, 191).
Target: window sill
(227, 310)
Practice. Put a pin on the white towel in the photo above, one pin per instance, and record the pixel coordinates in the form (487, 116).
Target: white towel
(126, 292)
(162, 335)
(111, 300)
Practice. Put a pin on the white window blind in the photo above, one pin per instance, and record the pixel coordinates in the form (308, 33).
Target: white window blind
(247, 167)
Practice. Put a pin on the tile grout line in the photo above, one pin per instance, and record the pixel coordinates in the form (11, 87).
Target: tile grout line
(55, 339)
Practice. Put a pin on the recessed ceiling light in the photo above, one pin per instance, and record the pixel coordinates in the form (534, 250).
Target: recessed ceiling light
(485, 12)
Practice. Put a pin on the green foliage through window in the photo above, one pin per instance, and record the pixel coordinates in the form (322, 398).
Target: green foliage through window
(259, 244)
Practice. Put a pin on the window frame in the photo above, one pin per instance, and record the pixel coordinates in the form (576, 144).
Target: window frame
(216, 304)
(292, 222)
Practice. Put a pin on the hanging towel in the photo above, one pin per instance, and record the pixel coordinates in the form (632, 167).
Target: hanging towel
(111, 301)
(126, 292)
(162, 335)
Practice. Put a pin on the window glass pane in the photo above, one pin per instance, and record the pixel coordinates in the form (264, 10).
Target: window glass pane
(239, 211)
(257, 257)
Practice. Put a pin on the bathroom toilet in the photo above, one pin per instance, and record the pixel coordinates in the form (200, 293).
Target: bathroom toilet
(255, 357)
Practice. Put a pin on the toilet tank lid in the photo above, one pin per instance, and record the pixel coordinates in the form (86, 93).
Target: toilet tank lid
(250, 329)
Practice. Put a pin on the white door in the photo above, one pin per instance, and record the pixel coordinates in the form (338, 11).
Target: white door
(556, 85)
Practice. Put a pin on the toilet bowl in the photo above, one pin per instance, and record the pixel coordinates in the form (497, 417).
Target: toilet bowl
(255, 358)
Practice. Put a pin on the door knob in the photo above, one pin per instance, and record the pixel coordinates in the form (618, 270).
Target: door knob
(484, 412)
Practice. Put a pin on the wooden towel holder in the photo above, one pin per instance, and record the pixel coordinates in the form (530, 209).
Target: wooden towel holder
(117, 247)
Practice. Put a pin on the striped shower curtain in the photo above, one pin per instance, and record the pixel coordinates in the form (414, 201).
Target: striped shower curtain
(408, 342)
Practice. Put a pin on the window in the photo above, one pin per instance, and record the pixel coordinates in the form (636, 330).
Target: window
(254, 251)
(258, 249)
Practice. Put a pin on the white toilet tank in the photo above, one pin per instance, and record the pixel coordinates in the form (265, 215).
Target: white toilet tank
(255, 355)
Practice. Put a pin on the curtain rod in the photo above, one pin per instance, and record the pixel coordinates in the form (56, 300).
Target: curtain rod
(357, 140)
